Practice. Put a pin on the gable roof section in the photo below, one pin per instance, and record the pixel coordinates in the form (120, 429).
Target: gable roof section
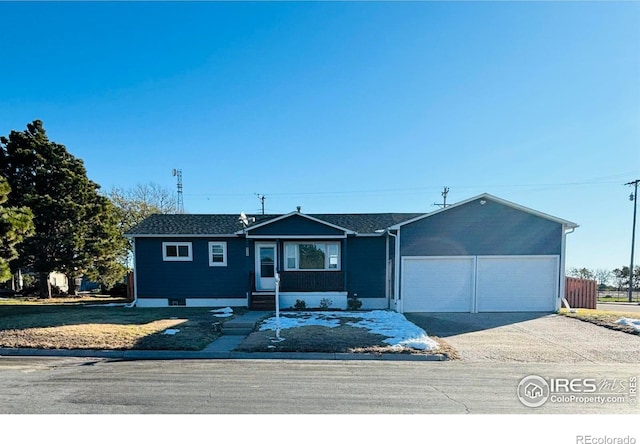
(229, 224)
(295, 214)
(566, 223)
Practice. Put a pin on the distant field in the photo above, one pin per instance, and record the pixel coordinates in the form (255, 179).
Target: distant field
(617, 296)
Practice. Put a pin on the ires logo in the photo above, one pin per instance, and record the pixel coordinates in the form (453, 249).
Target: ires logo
(577, 385)
(535, 391)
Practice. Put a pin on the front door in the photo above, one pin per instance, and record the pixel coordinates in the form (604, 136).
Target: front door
(266, 266)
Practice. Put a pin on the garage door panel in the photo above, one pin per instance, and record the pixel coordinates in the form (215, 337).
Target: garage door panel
(438, 284)
(516, 283)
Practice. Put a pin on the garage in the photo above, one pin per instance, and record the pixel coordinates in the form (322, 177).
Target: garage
(484, 254)
(480, 283)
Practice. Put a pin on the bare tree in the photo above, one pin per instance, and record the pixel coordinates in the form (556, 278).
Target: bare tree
(603, 276)
(137, 203)
(582, 273)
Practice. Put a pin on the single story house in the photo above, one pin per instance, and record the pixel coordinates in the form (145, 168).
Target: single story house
(483, 254)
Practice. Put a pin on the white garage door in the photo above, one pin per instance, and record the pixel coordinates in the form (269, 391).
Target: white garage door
(438, 284)
(517, 283)
(479, 283)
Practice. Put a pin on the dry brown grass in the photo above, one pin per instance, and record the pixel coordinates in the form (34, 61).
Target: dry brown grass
(84, 336)
(77, 323)
(603, 318)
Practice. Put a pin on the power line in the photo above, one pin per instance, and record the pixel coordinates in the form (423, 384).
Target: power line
(593, 181)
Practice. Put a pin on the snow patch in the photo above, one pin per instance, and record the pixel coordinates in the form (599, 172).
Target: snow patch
(633, 323)
(171, 331)
(400, 332)
(222, 312)
(301, 319)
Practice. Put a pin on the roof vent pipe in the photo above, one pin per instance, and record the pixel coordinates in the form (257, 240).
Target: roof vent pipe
(299, 208)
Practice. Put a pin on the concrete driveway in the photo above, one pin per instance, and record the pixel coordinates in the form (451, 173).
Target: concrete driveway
(529, 337)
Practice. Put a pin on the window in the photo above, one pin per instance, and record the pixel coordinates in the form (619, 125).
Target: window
(312, 256)
(217, 254)
(177, 251)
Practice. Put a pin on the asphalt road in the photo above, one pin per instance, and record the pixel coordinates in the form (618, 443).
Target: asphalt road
(622, 307)
(97, 386)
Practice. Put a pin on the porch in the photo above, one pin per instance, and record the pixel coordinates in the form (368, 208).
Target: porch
(298, 284)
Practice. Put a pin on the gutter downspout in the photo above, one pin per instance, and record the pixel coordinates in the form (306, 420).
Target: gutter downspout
(562, 283)
(396, 267)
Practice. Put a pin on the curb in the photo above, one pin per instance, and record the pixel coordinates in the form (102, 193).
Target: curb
(170, 355)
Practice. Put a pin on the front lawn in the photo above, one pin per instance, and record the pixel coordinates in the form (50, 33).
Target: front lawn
(377, 331)
(87, 323)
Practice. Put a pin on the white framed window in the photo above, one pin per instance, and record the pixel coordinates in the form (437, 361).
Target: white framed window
(312, 256)
(217, 254)
(177, 251)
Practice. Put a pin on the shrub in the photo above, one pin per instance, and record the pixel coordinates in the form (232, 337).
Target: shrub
(325, 303)
(354, 303)
(300, 305)
(118, 289)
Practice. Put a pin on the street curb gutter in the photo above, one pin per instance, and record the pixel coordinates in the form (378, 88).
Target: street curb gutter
(170, 355)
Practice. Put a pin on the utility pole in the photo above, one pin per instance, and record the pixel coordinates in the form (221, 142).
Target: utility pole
(262, 198)
(444, 193)
(633, 197)
(178, 173)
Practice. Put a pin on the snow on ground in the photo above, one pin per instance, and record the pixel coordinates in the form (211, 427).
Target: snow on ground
(171, 331)
(633, 323)
(399, 331)
(222, 312)
(302, 319)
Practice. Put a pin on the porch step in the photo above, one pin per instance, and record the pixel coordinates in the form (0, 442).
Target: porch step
(263, 301)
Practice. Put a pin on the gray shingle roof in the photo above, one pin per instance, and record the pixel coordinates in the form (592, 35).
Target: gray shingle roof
(212, 224)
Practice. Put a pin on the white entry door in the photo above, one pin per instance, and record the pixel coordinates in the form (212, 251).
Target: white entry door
(266, 261)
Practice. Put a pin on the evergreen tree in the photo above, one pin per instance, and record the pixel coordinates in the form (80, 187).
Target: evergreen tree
(74, 224)
(15, 224)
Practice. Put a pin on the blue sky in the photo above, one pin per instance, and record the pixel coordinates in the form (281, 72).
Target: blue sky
(344, 107)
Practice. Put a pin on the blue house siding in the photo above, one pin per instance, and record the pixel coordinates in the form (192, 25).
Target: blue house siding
(475, 229)
(295, 226)
(156, 278)
(366, 267)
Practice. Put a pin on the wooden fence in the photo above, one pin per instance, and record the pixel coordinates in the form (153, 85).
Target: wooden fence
(581, 293)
